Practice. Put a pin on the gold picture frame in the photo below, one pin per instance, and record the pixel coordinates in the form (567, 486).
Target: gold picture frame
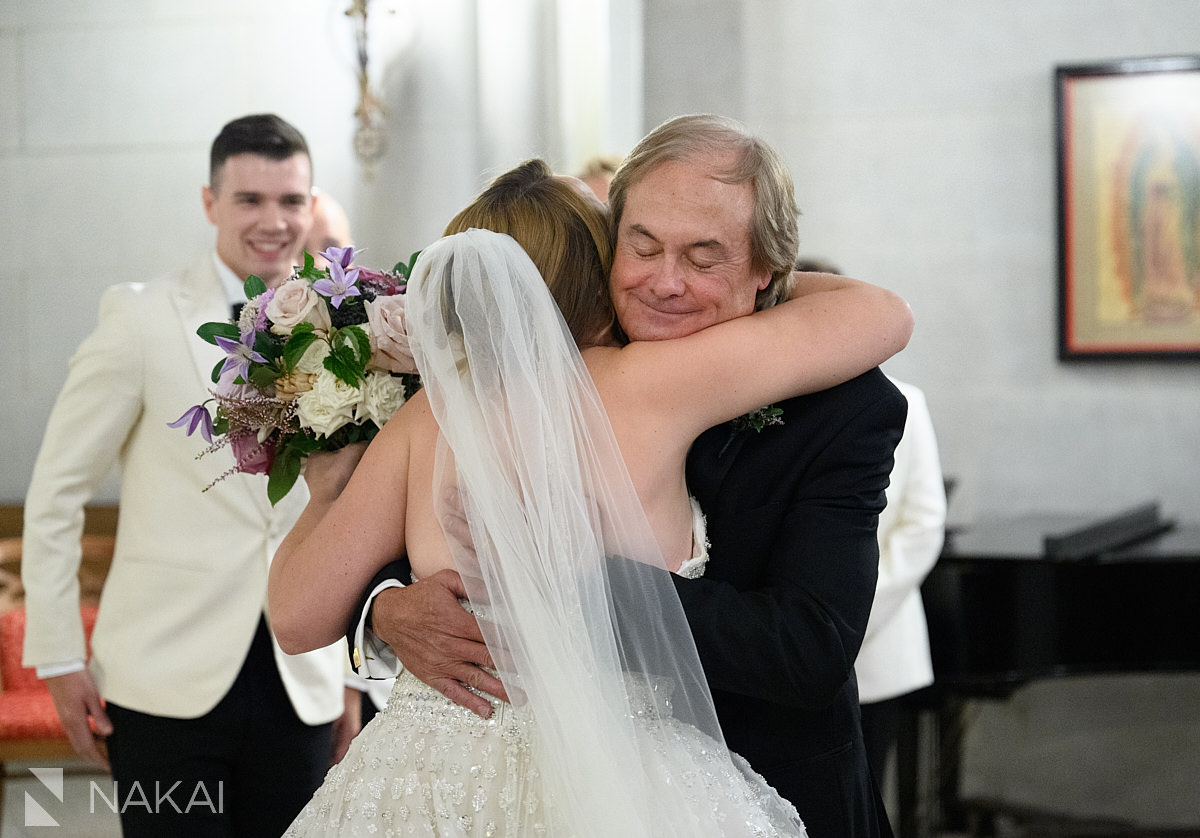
(1129, 208)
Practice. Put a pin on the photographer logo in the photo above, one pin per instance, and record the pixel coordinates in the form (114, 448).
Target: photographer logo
(164, 797)
(52, 780)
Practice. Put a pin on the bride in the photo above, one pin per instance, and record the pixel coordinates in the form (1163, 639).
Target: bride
(569, 470)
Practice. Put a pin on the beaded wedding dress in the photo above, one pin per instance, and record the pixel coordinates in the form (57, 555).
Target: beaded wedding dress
(611, 732)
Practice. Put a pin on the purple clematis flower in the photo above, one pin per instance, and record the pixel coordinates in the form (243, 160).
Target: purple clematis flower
(195, 417)
(340, 284)
(240, 355)
(343, 256)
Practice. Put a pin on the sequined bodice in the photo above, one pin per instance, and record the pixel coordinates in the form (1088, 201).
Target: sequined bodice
(694, 567)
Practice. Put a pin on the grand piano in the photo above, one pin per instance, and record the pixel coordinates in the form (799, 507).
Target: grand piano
(1041, 596)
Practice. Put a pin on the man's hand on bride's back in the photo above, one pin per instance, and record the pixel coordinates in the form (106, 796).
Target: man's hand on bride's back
(438, 640)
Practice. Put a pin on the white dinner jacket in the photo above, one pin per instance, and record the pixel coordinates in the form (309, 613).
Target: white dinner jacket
(188, 581)
(894, 658)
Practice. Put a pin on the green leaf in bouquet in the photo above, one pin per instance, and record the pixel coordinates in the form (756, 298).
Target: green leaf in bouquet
(285, 470)
(304, 444)
(209, 332)
(366, 432)
(349, 351)
(253, 286)
(310, 271)
(216, 373)
(269, 345)
(296, 346)
(405, 270)
(362, 343)
(350, 434)
(347, 370)
(263, 376)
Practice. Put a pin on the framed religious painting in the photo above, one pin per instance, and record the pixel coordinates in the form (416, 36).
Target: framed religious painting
(1129, 208)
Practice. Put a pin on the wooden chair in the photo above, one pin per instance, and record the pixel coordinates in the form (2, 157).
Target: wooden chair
(10, 574)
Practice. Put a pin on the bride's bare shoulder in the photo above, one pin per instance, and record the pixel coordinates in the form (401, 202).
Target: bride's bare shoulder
(605, 364)
(412, 419)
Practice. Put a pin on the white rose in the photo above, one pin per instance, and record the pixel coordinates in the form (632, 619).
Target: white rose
(296, 302)
(328, 405)
(382, 396)
(313, 359)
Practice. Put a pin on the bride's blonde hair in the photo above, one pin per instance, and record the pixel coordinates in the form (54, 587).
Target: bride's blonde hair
(565, 232)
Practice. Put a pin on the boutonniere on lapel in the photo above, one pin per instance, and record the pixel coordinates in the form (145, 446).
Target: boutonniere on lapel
(756, 420)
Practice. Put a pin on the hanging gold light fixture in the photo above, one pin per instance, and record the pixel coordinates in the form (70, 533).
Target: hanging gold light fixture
(369, 136)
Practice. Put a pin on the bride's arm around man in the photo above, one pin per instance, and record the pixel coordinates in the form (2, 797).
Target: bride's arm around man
(792, 508)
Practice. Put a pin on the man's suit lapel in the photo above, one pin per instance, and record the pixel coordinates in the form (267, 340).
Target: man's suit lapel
(198, 299)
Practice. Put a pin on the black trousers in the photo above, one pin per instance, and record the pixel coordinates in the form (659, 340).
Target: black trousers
(246, 768)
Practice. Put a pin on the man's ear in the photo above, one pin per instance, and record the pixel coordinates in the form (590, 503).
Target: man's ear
(210, 199)
(763, 280)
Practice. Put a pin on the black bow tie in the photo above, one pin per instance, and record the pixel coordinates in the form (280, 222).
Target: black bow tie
(237, 311)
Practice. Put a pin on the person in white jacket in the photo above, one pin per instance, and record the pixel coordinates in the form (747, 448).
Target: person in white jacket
(894, 659)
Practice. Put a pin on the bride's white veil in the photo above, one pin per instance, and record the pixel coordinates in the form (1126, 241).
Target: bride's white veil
(575, 600)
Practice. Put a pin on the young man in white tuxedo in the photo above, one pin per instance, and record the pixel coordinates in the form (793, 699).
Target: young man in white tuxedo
(209, 729)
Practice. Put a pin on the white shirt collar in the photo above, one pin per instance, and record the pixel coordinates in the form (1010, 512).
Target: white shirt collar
(229, 281)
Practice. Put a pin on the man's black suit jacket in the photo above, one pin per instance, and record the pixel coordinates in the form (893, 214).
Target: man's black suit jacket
(780, 612)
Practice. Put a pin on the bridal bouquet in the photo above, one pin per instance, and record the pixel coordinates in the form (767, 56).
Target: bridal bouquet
(316, 364)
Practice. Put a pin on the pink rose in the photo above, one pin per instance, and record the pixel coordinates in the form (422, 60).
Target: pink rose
(253, 457)
(378, 281)
(296, 302)
(389, 335)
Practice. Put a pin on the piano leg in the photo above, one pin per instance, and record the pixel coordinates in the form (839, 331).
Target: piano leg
(927, 765)
(949, 811)
(908, 767)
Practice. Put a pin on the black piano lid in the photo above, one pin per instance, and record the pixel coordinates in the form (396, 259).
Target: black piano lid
(1000, 613)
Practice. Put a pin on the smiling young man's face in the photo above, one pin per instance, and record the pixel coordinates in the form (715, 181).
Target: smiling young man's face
(682, 259)
(262, 209)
